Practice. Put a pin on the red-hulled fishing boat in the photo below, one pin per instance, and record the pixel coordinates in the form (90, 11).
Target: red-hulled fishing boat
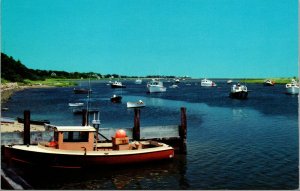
(77, 147)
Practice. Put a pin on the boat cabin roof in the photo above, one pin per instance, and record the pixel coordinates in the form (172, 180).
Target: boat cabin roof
(74, 128)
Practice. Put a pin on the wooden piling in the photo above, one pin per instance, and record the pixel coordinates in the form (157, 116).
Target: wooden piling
(26, 137)
(183, 131)
(136, 127)
(85, 116)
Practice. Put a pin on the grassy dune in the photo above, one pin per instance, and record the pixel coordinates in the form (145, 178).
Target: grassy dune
(277, 80)
(51, 82)
(8, 88)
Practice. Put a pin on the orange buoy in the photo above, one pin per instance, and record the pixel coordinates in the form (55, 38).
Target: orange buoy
(120, 133)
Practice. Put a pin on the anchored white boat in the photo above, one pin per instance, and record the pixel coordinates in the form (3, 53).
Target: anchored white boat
(140, 103)
(155, 86)
(293, 87)
(174, 86)
(76, 104)
(138, 81)
(238, 91)
(208, 83)
(177, 81)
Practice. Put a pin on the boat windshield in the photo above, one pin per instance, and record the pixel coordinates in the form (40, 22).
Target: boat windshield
(76, 136)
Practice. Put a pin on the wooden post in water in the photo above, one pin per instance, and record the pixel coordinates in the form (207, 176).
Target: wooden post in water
(85, 116)
(26, 138)
(136, 127)
(183, 131)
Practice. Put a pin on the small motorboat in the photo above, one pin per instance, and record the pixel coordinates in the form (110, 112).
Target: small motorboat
(173, 86)
(117, 84)
(238, 91)
(82, 91)
(4, 109)
(229, 81)
(269, 83)
(208, 83)
(75, 147)
(34, 122)
(116, 99)
(76, 104)
(140, 103)
(138, 81)
(292, 88)
(7, 120)
(156, 86)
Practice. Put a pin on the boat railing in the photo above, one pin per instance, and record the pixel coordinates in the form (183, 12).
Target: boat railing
(146, 132)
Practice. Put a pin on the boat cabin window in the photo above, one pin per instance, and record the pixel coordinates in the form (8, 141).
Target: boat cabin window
(76, 136)
(55, 137)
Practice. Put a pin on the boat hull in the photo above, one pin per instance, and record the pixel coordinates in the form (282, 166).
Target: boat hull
(34, 122)
(80, 160)
(292, 90)
(156, 89)
(117, 86)
(135, 104)
(76, 104)
(116, 99)
(208, 84)
(239, 95)
(82, 91)
(268, 84)
(138, 82)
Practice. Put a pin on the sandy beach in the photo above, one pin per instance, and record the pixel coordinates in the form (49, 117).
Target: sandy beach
(19, 127)
(7, 91)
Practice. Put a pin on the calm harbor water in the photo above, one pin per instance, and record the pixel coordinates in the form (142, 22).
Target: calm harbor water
(232, 144)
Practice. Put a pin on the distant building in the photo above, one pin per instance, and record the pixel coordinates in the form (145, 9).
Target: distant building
(53, 74)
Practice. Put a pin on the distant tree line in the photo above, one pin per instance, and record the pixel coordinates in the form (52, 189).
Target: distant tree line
(14, 71)
(157, 76)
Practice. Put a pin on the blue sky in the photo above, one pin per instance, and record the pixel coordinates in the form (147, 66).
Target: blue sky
(198, 38)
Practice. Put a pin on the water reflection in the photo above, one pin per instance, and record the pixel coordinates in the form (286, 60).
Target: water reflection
(239, 114)
(158, 175)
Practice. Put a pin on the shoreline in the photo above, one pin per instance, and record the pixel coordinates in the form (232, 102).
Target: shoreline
(8, 89)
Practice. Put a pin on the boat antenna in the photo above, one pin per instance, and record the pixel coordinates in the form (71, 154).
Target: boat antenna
(88, 97)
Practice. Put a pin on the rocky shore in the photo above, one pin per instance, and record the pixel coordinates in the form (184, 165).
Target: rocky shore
(8, 89)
